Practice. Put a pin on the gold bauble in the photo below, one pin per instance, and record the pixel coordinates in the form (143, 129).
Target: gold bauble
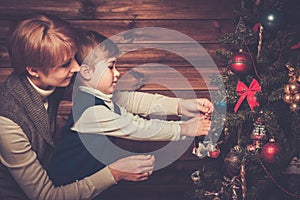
(287, 89)
(288, 98)
(291, 73)
(293, 88)
(296, 98)
(298, 75)
(293, 79)
(294, 107)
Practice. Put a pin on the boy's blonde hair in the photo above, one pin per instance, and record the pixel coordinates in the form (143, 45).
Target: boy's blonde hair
(41, 42)
(95, 47)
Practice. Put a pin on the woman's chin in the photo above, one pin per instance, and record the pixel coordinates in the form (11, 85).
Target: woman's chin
(65, 84)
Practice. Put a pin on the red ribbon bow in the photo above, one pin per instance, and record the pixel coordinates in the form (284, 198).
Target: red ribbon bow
(296, 46)
(243, 91)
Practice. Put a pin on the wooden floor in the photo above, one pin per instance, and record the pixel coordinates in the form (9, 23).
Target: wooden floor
(157, 187)
(170, 183)
(166, 184)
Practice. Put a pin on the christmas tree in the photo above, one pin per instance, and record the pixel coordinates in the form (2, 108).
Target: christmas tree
(260, 146)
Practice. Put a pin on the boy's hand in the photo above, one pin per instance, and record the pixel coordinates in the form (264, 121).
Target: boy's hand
(195, 107)
(197, 126)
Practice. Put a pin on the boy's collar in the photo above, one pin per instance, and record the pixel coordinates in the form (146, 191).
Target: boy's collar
(96, 93)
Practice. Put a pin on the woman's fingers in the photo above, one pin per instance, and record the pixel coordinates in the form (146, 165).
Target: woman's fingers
(133, 168)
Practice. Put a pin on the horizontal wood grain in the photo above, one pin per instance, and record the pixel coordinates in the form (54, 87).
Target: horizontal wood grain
(4, 72)
(157, 78)
(204, 55)
(114, 9)
(206, 31)
(171, 54)
(65, 105)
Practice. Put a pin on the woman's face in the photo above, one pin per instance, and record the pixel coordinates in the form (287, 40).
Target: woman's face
(105, 76)
(58, 76)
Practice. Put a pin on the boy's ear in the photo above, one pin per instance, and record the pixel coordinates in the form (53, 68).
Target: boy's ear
(32, 71)
(85, 72)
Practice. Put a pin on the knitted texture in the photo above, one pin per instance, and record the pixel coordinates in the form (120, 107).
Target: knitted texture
(23, 105)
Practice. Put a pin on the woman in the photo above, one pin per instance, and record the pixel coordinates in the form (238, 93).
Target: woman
(42, 51)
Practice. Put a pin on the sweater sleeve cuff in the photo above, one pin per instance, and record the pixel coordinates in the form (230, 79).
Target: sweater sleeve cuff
(171, 105)
(103, 179)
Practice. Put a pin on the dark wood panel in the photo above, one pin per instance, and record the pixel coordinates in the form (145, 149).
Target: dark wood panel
(114, 9)
(4, 72)
(65, 106)
(171, 54)
(181, 31)
(5, 29)
(167, 54)
(4, 56)
(157, 78)
(166, 78)
(206, 31)
(203, 31)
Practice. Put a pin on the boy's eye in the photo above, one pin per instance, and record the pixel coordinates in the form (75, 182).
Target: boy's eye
(67, 64)
(111, 67)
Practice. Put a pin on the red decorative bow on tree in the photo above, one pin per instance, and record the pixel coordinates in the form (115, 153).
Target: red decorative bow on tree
(243, 91)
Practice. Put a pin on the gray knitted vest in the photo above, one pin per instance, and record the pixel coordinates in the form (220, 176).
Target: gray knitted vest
(20, 103)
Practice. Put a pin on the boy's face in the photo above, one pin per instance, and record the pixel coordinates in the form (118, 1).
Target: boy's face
(105, 76)
(58, 76)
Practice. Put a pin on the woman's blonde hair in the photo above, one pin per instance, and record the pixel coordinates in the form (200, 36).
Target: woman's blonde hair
(41, 42)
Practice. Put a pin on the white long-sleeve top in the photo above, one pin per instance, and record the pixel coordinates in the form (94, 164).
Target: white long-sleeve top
(101, 120)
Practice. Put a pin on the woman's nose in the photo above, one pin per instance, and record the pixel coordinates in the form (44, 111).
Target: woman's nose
(75, 67)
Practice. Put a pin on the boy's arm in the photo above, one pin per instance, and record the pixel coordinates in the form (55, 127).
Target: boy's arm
(144, 103)
(101, 120)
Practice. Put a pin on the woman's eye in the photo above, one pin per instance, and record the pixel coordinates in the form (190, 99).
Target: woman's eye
(110, 67)
(67, 64)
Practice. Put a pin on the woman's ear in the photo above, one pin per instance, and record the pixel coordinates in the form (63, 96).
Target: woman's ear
(85, 72)
(32, 72)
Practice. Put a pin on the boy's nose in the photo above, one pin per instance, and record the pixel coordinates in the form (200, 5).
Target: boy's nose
(116, 73)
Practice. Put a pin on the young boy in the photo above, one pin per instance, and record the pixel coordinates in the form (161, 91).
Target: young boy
(95, 115)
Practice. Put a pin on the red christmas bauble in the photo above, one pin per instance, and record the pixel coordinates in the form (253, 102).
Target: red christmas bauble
(270, 150)
(240, 64)
(215, 153)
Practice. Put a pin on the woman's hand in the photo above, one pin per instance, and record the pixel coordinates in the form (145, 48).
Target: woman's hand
(195, 107)
(196, 126)
(133, 168)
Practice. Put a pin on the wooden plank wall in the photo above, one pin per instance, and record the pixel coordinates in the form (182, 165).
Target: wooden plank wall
(202, 20)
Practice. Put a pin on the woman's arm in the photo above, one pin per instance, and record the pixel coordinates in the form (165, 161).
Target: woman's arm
(16, 154)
